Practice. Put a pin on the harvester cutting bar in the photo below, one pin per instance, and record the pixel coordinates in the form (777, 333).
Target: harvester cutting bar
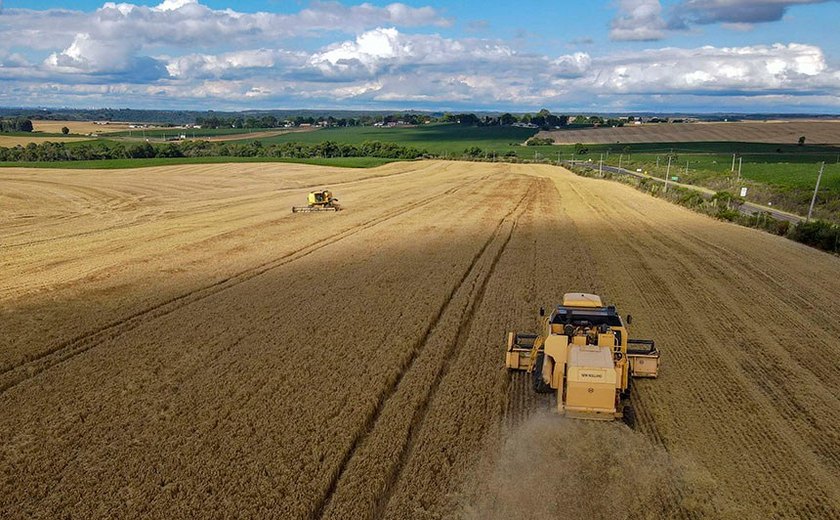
(310, 209)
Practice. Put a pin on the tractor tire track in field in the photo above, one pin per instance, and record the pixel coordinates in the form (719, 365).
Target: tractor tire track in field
(451, 354)
(502, 235)
(16, 374)
(521, 401)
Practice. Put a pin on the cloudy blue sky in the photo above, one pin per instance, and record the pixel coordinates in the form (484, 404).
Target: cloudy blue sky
(566, 55)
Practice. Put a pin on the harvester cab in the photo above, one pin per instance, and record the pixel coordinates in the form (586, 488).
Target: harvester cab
(583, 353)
(318, 201)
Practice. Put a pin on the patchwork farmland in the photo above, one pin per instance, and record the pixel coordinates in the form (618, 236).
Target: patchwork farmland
(177, 344)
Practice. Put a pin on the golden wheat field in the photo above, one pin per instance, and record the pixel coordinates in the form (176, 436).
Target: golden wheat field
(177, 344)
(78, 127)
(776, 132)
(10, 141)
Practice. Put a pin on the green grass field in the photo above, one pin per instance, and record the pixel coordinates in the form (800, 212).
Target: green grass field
(159, 133)
(113, 164)
(786, 182)
(789, 173)
(38, 134)
(448, 139)
(711, 147)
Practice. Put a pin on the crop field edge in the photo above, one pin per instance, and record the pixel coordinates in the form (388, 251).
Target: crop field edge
(119, 164)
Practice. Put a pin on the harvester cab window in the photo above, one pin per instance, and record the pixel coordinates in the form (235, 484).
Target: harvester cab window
(588, 318)
(587, 322)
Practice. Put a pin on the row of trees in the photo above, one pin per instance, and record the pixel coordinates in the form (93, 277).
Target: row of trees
(16, 124)
(51, 152)
(269, 121)
(543, 119)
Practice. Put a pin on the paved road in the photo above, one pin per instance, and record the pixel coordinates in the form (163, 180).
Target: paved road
(747, 208)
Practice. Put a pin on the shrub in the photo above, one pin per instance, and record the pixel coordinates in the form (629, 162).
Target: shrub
(817, 233)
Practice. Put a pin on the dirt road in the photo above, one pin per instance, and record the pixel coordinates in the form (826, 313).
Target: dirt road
(178, 344)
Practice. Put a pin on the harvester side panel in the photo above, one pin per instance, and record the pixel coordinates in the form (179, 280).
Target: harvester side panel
(519, 346)
(643, 357)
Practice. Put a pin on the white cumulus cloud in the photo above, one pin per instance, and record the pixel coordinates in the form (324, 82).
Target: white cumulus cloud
(639, 20)
(711, 70)
(83, 38)
(233, 63)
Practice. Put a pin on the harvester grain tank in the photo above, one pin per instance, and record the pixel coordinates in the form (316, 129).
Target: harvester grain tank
(583, 352)
(318, 201)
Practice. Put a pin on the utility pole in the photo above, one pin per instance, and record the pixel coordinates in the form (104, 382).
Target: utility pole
(733, 163)
(816, 189)
(601, 165)
(667, 173)
(619, 160)
(558, 158)
(657, 161)
(740, 161)
(686, 168)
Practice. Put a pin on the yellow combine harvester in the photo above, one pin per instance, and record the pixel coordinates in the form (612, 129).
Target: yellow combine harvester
(318, 201)
(584, 353)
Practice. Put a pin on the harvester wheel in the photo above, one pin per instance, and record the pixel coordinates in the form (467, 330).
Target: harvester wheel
(629, 416)
(540, 386)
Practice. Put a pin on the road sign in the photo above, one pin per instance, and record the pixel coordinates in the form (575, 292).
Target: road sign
(675, 178)
(743, 192)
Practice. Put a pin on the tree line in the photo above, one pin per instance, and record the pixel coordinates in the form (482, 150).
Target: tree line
(543, 119)
(16, 124)
(52, 152)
